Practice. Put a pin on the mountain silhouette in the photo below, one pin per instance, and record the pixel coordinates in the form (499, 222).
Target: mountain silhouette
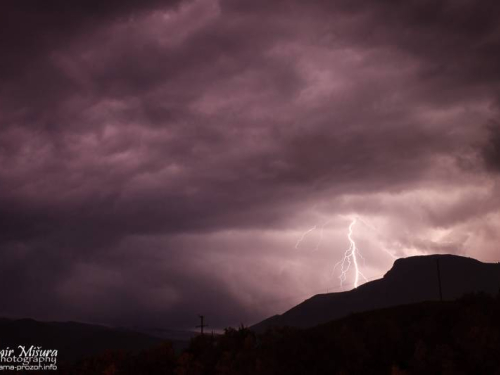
(410, 280)
(75, 340)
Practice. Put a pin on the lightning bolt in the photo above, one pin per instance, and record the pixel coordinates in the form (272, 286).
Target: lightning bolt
(304, 236)
(350, 259)
(352, 255)
(321, 235)
(376, 230)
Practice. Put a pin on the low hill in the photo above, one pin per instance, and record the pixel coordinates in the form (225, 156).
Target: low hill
(410, 280)
(72, 340)
(434, 338)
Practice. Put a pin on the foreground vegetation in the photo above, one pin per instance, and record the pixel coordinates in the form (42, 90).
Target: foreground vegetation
(461, 337)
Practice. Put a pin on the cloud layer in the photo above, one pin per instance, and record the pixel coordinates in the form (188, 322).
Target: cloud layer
(161, 159)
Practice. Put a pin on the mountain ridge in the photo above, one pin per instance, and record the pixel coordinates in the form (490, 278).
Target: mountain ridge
(76, 340)
(410, 280)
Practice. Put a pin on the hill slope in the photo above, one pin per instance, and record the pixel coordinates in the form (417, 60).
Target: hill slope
(410, 280)
(434, 338)
(72, 340)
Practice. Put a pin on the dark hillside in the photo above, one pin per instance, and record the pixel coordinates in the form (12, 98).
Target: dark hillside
(459, 337)
(410, 280)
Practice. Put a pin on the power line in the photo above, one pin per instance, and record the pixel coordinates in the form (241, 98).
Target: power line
(202, 325)
(439, 279)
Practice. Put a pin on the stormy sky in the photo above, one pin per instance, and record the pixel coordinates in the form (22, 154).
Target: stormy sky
(161, 159)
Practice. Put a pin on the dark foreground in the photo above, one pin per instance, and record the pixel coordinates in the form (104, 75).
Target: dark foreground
(461, 337)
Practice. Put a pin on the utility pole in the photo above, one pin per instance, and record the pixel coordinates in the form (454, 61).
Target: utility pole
(439, 280)
(202, 325)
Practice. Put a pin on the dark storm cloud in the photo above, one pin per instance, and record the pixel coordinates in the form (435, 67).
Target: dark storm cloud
(491, 150)
(31, 29)
(454, 43)
(129, 127)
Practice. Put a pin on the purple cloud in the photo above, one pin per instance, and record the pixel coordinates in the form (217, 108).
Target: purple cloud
(159, 159)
